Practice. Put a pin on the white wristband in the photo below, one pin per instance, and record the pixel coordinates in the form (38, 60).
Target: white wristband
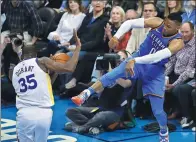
(154, 58)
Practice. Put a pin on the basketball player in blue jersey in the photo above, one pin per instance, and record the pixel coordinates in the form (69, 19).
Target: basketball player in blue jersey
(146, 64)
(34, 99)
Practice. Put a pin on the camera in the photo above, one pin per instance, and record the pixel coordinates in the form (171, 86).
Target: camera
(16, 39)
(108, 58)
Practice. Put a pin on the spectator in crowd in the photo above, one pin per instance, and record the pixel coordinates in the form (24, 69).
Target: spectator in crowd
(91, 31)
(72, 19)
(96, 74)
(130, 14)
(107, 111)
(181, 64)
(173, 6)
(91, 34)
(138, 35)
(116, 19)
(190, 12)
(125, 4)
(140, 5)
(19, 15)
(85, 4)
(8, 94)
(187, 98)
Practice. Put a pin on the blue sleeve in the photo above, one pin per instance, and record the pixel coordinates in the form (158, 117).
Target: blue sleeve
(135, 54)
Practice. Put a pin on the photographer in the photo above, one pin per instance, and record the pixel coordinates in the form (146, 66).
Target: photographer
(10, 57)
(7, 90)
(19, 16)
(106, 111)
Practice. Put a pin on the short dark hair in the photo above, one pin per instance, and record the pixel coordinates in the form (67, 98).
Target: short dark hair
(79, 3)
(175, 17)
(29, 52)
(152, 3)
(190, 25)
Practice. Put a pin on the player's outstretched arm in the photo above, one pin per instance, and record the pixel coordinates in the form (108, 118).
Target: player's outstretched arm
(135, 23)
(69, 66)
(174, 46)
(138, 23)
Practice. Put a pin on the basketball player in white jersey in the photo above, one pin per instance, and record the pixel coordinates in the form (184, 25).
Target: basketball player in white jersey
(34, 100)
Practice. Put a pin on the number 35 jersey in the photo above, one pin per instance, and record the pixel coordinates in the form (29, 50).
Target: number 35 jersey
(32, 85)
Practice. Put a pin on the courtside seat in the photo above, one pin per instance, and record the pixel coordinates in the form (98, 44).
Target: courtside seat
(50, 26)
(47, 16)
(56, 21)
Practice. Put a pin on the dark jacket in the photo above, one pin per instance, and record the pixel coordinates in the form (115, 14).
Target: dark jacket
(105, 43)
(91, 33)
(22, 17)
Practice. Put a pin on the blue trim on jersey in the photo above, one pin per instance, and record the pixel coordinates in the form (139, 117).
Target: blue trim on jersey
(155, 41)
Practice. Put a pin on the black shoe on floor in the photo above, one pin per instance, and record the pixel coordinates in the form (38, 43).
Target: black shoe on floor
(186, 122)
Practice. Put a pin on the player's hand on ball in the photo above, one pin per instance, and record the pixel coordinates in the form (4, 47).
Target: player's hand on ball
(130, 68)
(77, 40)
(113, 42)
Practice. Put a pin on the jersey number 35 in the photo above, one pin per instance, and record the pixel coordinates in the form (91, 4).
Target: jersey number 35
(27, 83)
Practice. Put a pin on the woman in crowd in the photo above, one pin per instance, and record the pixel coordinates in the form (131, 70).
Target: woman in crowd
(173, 6)
(70, 20)
(116, 18)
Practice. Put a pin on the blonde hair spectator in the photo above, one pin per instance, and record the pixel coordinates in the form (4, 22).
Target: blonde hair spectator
(121, 11)
(172, 6)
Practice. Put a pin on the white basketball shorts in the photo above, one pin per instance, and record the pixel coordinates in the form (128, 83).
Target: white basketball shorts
(33, 124)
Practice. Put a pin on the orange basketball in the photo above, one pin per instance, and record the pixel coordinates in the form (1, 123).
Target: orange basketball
(61, 57)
